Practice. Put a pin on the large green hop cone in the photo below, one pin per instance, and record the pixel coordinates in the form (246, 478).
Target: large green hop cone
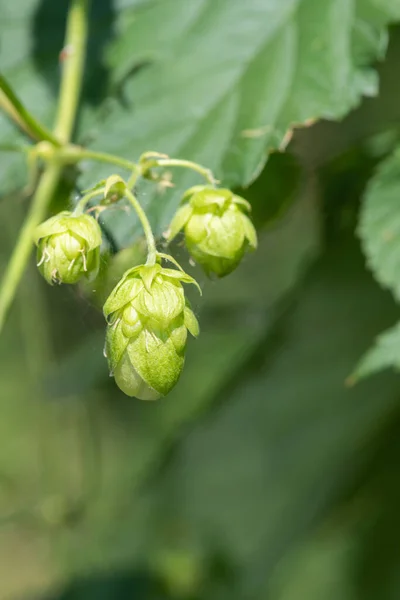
(148, 319)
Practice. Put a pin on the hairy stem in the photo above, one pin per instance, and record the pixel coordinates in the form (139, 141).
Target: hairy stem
(71, 83)
(23, 247)
(151, 244)
(13, 107)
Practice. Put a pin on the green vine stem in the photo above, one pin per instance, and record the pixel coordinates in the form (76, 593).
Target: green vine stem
(151, 243)
(73, 65)
(14, 108)
(23, 247)
(71, 82)
(136, 173)
(74, 153)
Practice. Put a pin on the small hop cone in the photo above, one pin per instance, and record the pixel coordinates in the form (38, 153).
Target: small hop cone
(148, 319)
(68, 248)
(217, 230)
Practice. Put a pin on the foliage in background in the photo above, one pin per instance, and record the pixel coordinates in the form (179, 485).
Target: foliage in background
(261, 475)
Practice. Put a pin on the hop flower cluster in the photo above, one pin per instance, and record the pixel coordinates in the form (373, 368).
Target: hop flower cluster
(148, 315)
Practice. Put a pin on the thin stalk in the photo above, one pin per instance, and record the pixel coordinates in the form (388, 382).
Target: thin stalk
(71, 83)
(186, 164)
(77, 153)
(80, 207)
(151, 244)
(14, 108)
(136, 173)
(20, 256)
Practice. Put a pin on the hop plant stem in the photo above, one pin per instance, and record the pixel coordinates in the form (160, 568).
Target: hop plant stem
(22, 249)
(71, 82)
(74, 153)
(151, 244)
(76, 36)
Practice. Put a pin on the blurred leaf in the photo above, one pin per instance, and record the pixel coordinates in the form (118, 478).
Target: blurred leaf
(319, 567)
(374, 508)
(379, 226)
(354, 554)
(262, 470)
(384, 354)
(274, 191)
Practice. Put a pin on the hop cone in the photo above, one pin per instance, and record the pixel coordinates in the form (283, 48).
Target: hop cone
(68, 248)
(217, 232)
(148, 318)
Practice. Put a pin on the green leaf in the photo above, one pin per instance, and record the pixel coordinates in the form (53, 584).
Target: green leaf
(287, 68)
(288, 62)
(379, 226)
(222, 84)
(384, 354)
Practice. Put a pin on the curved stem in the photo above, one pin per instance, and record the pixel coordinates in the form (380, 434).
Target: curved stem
(136, 173)
(23, 247)
(151, 244)
(186, 164)
(80, 207)
(77, 153)
(71, 83)
(13, 106)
